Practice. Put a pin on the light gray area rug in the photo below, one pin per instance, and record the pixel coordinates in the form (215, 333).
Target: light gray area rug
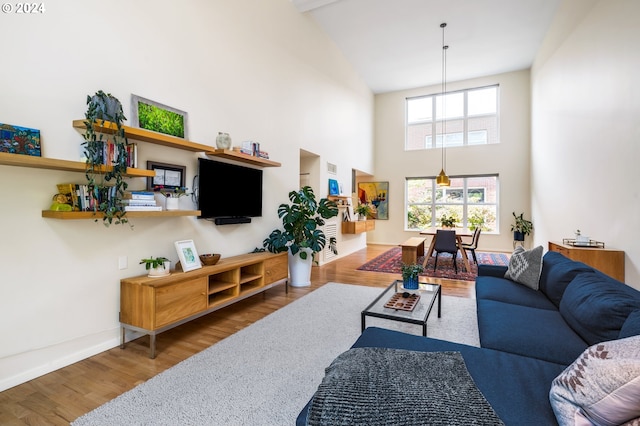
(266, 373)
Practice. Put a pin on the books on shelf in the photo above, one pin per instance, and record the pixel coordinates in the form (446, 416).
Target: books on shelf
(253, 148)
(130, 208)
(136, 201)
(139, 195)
(85, 198)
(109, 152)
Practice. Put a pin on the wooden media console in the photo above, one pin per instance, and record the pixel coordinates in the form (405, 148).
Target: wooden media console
(153, 305)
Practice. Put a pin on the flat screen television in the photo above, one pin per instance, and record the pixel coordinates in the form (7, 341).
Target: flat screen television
(228, 191)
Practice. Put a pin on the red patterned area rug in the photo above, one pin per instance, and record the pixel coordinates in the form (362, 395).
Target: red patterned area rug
(391, 261)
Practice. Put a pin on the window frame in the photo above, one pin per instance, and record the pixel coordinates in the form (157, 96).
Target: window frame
(435, 203)
(436, 123)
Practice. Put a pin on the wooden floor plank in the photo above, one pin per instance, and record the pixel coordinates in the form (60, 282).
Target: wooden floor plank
(60, 397)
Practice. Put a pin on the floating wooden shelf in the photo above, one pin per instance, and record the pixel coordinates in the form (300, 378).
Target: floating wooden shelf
(147, 136)
(91, 215)
(178, 143)
(358, 227)
(19, 160)
(245, 158)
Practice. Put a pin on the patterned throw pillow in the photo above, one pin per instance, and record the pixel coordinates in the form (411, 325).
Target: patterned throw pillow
(601, 387)
(525, 266)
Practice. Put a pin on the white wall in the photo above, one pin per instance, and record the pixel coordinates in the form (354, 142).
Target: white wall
(258, 70)
(586, 128)
(509, 158)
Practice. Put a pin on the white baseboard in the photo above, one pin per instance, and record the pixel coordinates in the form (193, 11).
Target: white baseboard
(20, 368)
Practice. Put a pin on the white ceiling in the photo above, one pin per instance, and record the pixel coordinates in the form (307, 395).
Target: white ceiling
(397, 44)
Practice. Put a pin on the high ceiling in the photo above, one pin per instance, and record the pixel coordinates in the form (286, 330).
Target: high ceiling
(397, 44)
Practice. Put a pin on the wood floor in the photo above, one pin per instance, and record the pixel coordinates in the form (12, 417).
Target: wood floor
(63, 395)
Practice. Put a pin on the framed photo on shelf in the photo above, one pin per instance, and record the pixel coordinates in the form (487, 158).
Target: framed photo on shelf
(169, 176)
(334, 188)
(154, 116)
(188, 255)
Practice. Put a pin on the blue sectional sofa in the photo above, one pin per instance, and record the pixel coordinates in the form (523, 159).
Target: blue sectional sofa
(529, 336)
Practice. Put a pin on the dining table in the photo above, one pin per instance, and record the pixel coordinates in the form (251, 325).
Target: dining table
(460, 234)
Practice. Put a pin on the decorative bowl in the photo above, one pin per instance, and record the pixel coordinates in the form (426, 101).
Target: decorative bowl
(209, 258)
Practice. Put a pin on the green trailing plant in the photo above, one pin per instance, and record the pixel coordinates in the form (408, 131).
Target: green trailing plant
(302, 221)
(363, 209)
(521, 225)
(152, 263)
(106, 184)
(411, 271)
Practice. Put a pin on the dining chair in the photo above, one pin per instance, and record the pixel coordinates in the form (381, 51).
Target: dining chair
(446, 242)
(473, 245)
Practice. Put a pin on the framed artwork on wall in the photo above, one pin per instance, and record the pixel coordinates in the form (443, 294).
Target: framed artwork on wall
(376, 194)
(168, 176)
(334, 188)
(188, 255)
(19, 140)
(150, 115)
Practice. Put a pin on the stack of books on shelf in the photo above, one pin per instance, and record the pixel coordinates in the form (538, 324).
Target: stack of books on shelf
(138, 201)
(253, 148)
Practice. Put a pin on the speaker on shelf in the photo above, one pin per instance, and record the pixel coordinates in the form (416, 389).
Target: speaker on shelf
(231, 220)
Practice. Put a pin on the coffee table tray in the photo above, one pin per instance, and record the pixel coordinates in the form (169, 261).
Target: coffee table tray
(399, 302)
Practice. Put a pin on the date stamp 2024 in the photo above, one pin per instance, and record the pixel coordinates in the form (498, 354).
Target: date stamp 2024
(23, 8)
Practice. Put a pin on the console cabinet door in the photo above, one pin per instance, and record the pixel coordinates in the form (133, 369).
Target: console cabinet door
(276, 268)
(177, 301)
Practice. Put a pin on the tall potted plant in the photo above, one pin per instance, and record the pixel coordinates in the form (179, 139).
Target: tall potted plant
(521, 227)
(302, 236)
(106, 184)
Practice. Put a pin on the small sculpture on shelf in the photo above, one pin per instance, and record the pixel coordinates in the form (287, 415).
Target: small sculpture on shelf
(223, 140)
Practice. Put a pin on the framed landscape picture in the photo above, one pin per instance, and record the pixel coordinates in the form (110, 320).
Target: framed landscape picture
(154, 116)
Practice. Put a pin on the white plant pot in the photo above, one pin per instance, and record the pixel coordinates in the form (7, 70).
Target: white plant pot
(161, 271)
(173, 203)
(300, 269)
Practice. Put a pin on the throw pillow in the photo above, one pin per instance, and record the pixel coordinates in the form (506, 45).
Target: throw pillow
(601, 387)
(525, 266)
(631, 326)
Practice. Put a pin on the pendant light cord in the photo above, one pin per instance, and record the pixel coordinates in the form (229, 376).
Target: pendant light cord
(444, 91)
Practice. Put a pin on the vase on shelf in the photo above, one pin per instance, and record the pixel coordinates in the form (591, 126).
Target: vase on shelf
(223, 140)
(173, 203)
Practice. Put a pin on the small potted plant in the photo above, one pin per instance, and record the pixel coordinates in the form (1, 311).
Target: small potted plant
(172, 195)
(158, 267)
(448, 221)
(521, 227)
(363, 210)
(410, 273)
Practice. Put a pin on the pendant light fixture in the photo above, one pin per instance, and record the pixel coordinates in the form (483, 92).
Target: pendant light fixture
(443, 179)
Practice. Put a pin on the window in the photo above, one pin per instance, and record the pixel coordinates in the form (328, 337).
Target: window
(472, 199)
(471, 118)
